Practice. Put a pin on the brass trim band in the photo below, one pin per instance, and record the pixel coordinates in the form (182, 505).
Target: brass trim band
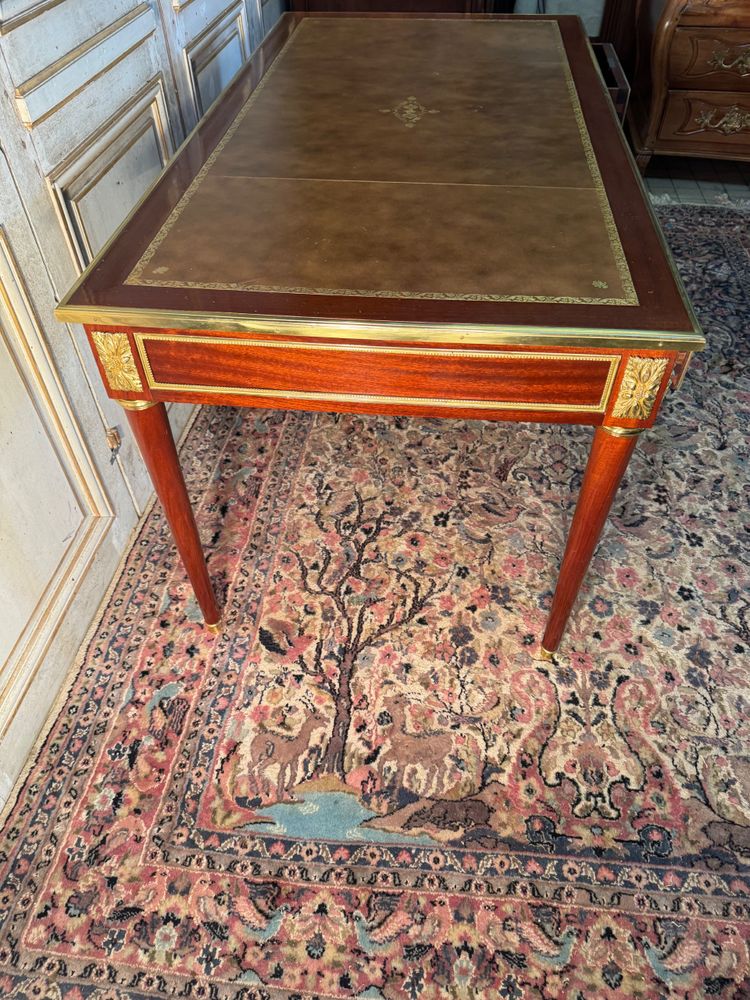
(141, 340)
(444, 333)
(624, 431)
(136, 404)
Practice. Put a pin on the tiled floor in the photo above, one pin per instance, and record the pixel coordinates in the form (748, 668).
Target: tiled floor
(672, 179)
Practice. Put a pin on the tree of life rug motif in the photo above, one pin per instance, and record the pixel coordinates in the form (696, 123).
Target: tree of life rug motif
(367, 786)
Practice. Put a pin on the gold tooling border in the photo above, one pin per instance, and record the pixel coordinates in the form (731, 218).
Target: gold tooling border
(141, 340)
(629, 298)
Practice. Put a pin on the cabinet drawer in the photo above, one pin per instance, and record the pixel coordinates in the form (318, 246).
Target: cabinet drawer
(710, 59)
(403, 377)
(705, 13)
(708, 118)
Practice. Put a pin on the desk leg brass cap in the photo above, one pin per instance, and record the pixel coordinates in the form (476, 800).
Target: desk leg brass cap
(544, 654)
(215, 628)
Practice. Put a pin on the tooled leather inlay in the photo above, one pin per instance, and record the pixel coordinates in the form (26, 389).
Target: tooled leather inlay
(407, 158)
(410, 111)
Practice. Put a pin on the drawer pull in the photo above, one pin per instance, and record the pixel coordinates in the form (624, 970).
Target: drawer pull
(722, 60)
(732, 121)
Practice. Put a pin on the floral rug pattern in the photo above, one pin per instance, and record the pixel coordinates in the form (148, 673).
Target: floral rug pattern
(368, 785)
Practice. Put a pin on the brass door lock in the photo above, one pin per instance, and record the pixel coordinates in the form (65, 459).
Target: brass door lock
(114, 441)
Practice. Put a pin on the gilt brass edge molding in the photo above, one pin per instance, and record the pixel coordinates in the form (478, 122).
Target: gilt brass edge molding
(116, 358)
(343, 397)
(372, 348)
(444, 333)
(639, 387)
(474, 404)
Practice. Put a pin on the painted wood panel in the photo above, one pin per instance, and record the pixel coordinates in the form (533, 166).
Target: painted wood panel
(54, 513)
(216, 54)
(88, 109)
(53, 85)
(271, 12)
(214, 69)
(100, 181)
(94, 99)
(14, 13)
(39, 510)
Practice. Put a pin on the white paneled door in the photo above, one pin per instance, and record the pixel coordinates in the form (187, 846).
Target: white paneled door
(94, 99)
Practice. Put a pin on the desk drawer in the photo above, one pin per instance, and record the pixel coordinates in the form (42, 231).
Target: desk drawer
(710, 59)
(490, 380)
(721, 120)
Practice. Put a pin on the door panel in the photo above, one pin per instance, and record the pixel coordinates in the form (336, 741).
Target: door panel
(94, 99)
(216, 54)
(54, 513)
(271, 11)
(39, 509)
(101, 180)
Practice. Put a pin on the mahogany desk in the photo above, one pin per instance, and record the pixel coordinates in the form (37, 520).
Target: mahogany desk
(398, 214)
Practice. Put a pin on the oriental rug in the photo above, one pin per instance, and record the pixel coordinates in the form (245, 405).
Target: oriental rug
(367, 785)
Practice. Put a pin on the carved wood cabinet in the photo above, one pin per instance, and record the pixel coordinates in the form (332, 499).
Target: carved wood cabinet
(692, 82)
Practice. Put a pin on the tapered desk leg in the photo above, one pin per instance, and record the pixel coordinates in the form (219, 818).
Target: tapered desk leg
(608, 460)
(150, 426)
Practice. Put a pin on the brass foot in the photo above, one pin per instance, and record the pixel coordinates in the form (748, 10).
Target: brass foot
(544, 654)
(215, 628)
(624, 431)
(135, 404)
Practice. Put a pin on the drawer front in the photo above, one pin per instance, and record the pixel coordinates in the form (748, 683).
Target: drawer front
(478, 380)
(713, 13)
(708, 119)
(710, 60)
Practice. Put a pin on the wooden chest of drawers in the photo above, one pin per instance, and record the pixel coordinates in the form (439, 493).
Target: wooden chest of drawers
(692, 82)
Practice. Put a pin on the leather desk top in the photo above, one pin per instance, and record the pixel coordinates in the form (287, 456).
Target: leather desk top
(399, 170)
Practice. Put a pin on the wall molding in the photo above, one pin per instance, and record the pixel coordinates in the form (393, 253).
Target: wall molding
(92, 159)
(42, 94)
(231, 23)
(27, 347)
(25, 14)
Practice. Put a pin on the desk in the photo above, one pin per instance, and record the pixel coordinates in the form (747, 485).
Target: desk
(423, 215)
